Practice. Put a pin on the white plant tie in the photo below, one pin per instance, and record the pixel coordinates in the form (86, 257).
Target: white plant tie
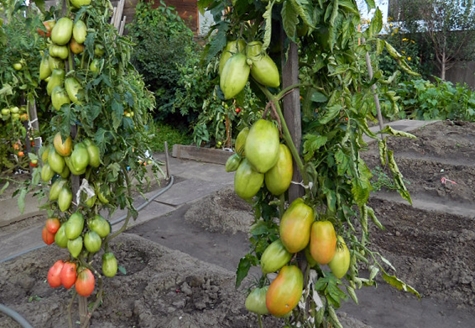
(309, 186)
(31, 122)
(316, 298)
(89, 191)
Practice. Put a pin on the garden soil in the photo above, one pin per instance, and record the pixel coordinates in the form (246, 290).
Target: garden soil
(180, 267)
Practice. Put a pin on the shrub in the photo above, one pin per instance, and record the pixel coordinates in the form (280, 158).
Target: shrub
(163, 42)
(424, 100)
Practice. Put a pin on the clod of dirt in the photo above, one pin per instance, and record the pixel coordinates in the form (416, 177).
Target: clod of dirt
(221, 212)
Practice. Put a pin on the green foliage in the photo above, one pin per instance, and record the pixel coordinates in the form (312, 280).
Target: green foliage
(160, 132)
(163, 42)
(424, 100)
(18, 87)
(199, 99)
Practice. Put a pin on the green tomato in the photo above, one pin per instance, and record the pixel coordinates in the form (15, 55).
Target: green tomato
(109, 265)
(75, 246)
(99, 225)
(256, 301)
(92, 241)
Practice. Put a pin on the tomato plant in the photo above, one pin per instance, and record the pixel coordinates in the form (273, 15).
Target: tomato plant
(19, 58)
(98, 110)
(320, 101)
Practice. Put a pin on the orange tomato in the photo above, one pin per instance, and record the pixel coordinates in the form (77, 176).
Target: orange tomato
(285, 291)
(85, 282)
(322, 241)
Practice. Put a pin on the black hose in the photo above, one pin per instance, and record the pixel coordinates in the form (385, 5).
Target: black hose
(15, 316)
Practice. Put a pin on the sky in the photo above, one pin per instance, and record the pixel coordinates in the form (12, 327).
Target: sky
(381, 4)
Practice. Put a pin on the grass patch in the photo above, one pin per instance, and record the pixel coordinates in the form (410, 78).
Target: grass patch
(162, 132)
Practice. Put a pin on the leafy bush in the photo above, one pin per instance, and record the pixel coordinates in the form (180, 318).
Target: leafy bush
(424, 100)
(200, 99)
(163, 42)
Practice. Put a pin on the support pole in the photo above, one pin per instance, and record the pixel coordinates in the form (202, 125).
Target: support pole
(291, 105)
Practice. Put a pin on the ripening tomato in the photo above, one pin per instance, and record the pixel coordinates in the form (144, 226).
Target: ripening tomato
(47, 236)
(295, 226)
(68, 274)
(285, 291)
(54, 274)
(64, 148)
(85, 282)
(52, 225)
(322, 241)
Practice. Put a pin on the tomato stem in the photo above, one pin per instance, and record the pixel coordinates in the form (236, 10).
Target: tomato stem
(129, 212)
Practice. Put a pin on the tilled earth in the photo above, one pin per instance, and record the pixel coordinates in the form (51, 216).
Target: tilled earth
(180, 268)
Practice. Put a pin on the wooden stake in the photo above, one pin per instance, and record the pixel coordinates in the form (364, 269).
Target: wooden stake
(292, 114)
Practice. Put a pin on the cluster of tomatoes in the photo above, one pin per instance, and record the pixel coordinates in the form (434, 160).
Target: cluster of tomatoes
(15, 113)
(80, 236)
(239, 60)
(67, 274)
(261, 160)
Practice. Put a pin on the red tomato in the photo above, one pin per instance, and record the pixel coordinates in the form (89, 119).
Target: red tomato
(68, 274)
(238, 110)
(54, 278)
(47, 236)
(52, 225)
(85, 282)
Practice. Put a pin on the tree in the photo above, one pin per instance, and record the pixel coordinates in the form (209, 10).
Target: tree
(446, 26)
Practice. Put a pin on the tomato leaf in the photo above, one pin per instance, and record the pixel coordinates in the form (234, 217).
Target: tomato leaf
(328, 285)
(289, 20)
(399, 284)
(5, 186)
(376, 25)
(397, 176)
(331, 113)
(122, 270)
(342, 161)
(389, 130)
(21, 200)
(268, 29)
(218, 42)
(243, 268)
(305, 11)
(312, 144)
